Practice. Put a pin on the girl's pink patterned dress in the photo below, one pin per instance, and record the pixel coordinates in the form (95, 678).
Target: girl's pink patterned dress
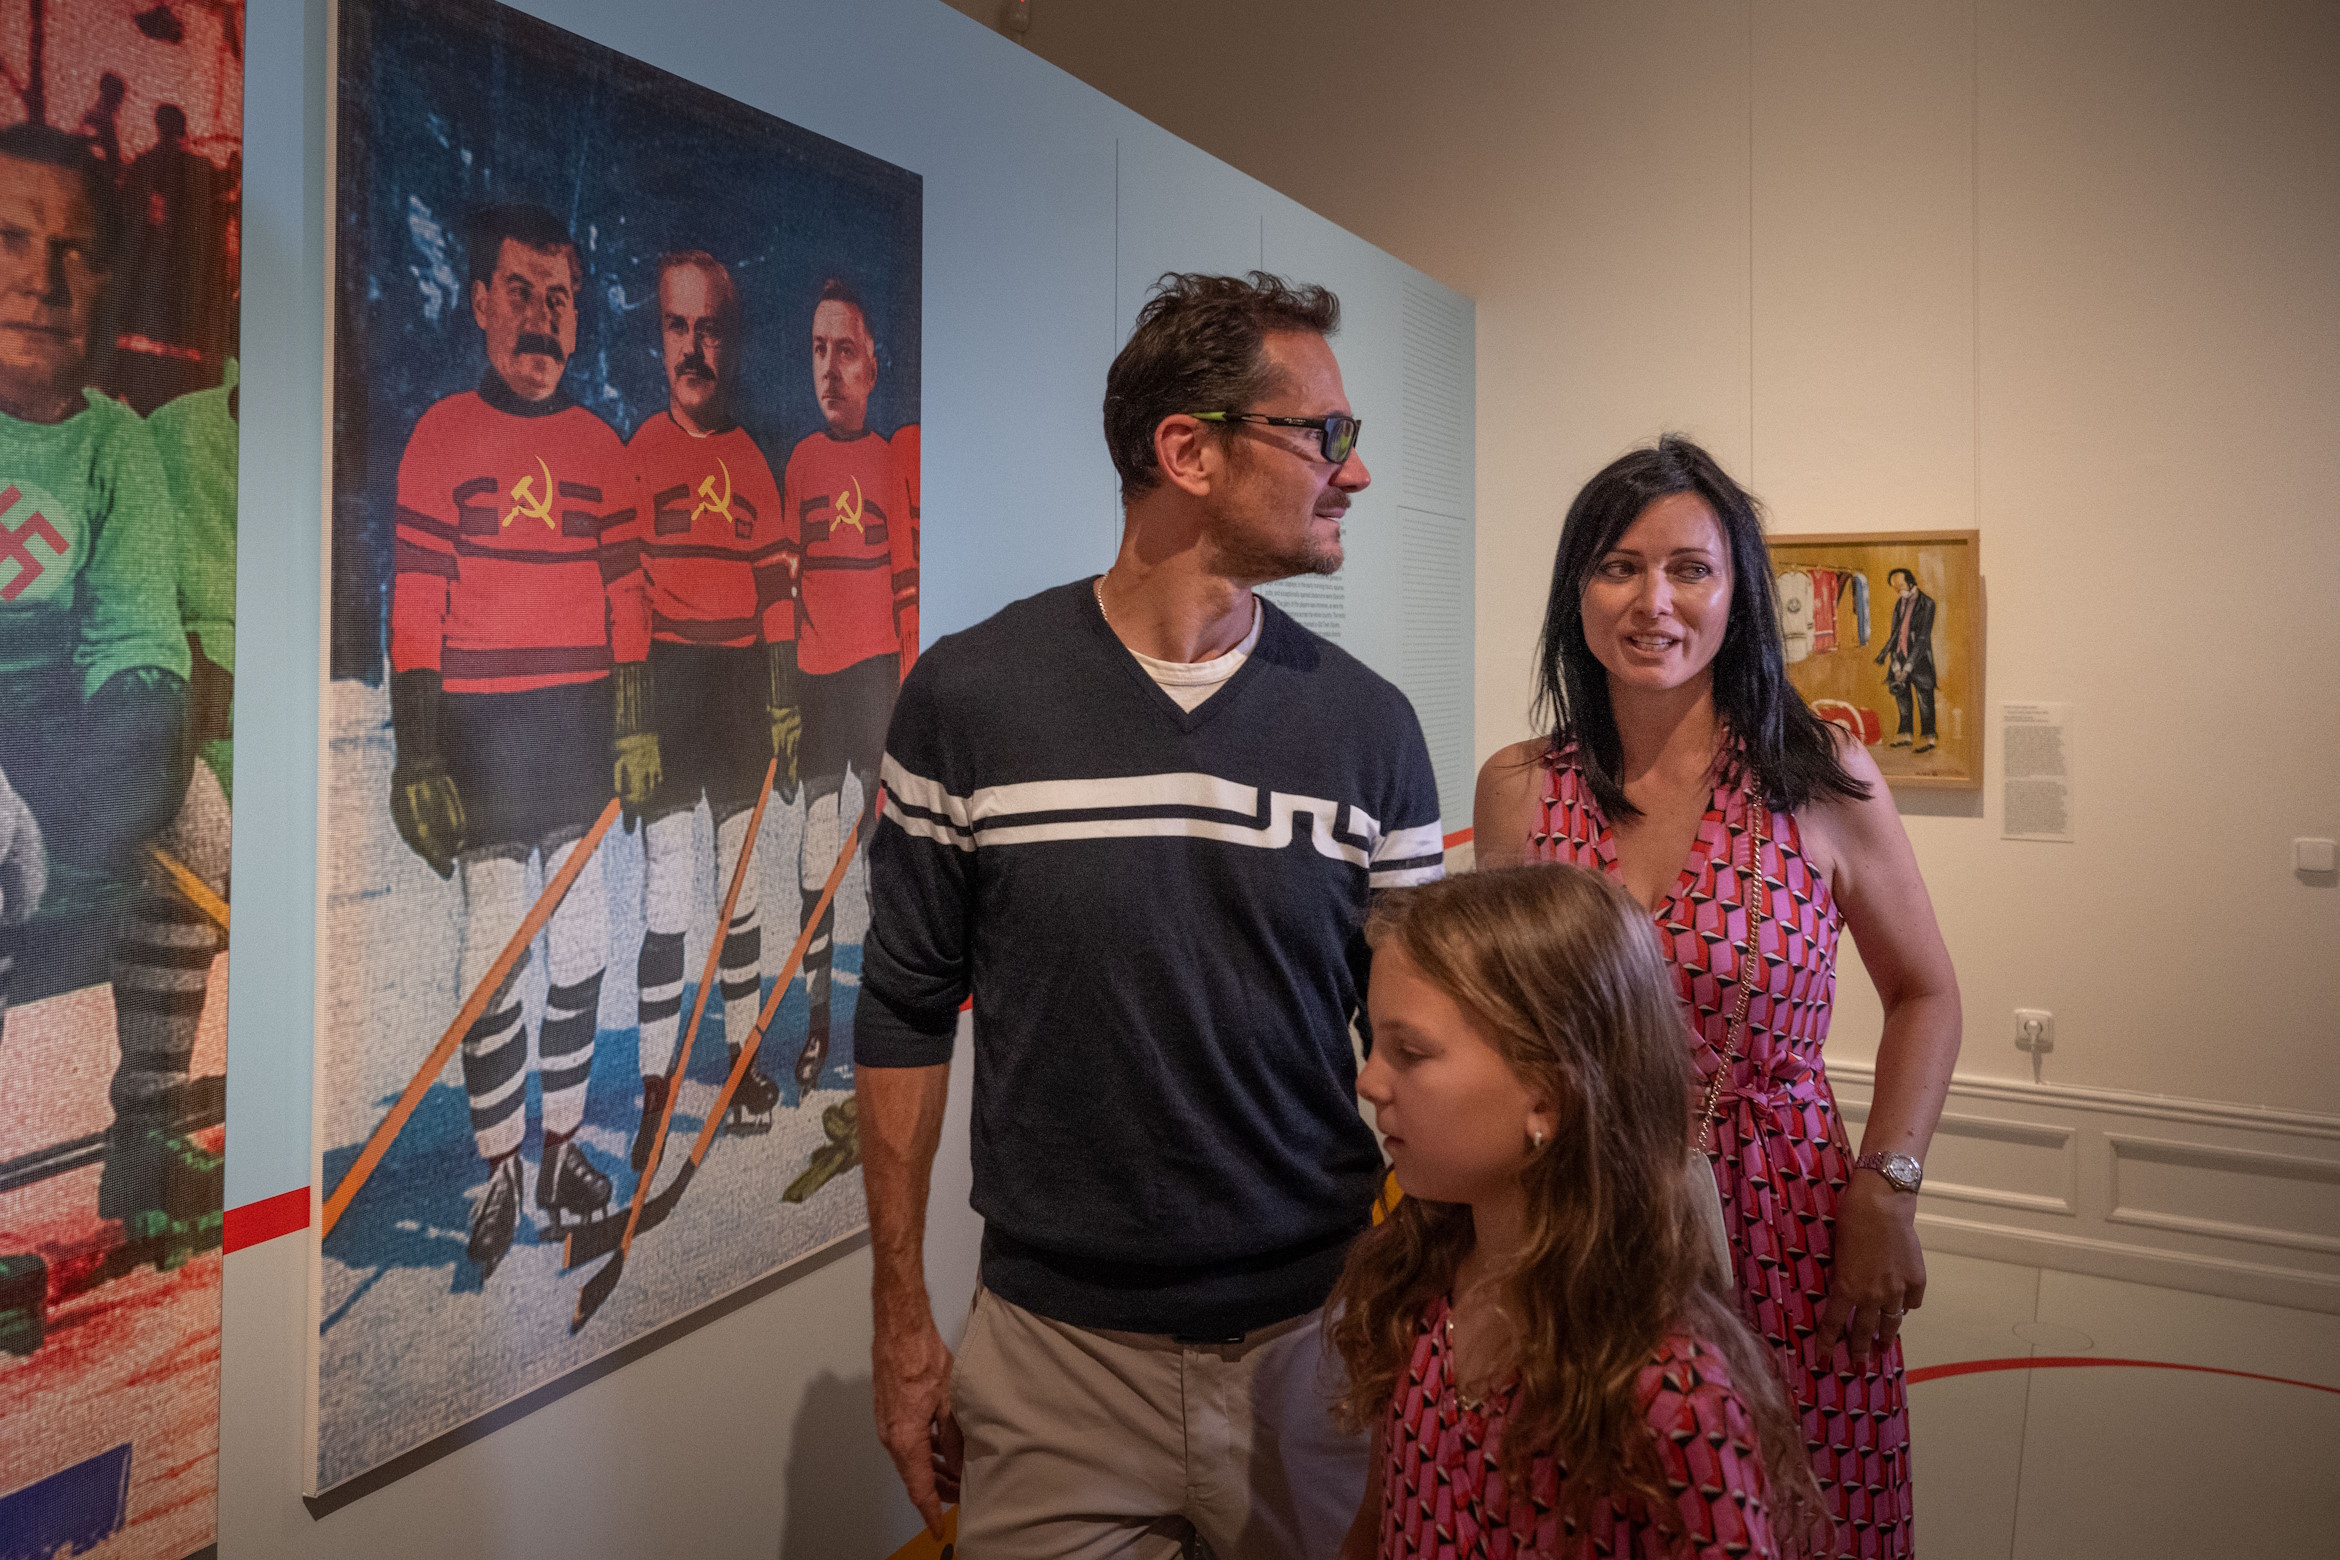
(1781, 1155)
(1442, 1499)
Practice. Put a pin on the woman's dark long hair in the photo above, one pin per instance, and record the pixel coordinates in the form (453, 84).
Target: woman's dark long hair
(1776, 735)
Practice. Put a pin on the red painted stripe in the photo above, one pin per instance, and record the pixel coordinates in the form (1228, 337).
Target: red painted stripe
(2084, 1361)
(266, 1219)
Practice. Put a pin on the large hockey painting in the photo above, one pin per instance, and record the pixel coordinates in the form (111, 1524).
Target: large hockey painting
(624, 544)
(120, 164)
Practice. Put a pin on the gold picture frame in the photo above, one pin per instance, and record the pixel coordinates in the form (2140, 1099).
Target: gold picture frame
(1884, 637)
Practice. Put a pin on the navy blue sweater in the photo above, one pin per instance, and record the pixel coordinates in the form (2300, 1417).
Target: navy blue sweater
(1159, 914)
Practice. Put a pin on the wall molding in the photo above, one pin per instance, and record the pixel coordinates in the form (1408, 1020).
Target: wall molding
(2205, 1195)
(2159, 1107)
(2063, 1142)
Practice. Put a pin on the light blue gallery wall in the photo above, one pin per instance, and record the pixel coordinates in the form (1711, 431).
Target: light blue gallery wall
(1048, 209)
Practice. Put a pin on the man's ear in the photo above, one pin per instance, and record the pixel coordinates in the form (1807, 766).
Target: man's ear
(479, 292)
(1189, 457)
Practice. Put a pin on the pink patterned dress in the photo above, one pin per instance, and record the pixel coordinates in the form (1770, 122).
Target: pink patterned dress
(1442, 1498)
(1781, 1153)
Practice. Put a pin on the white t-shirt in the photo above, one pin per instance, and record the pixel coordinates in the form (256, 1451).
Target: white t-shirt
(1191, 682)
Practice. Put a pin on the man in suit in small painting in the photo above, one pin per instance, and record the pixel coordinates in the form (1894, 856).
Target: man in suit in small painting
(1908, 659)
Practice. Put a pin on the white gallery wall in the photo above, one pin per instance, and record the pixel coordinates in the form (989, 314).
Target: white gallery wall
(1048, 210)
(2065, 272)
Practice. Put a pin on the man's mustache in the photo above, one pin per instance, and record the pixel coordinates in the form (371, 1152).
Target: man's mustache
(542, 345)
(696, 365)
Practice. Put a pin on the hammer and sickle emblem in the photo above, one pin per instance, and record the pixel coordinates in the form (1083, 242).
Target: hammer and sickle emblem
(525, 503)
(843, 513)
(708, 503)
(16, 546)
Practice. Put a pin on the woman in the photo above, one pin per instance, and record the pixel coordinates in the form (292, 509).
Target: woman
(1677, 750)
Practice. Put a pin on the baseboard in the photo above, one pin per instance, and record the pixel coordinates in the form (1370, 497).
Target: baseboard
(2203, 1195)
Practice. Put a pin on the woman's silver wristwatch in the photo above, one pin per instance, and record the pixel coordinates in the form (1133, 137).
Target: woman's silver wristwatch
(1901, 1172)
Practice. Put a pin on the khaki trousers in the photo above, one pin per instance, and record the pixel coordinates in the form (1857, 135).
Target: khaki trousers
(1091, 1445)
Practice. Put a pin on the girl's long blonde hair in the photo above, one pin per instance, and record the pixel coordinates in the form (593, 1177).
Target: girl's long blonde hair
(1562, 974)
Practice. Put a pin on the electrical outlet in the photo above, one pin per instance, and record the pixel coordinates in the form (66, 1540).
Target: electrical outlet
(2035, 1032)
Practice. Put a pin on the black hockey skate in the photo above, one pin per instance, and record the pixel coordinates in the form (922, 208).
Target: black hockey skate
(497, 1218)
(816, 1049)
(653, 1111)
(753, 1102)
(569, 1191)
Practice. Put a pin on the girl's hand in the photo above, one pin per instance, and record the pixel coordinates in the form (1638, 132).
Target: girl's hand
(1880, 1270)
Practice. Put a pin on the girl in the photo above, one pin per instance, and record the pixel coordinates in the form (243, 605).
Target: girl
(1536, 1334)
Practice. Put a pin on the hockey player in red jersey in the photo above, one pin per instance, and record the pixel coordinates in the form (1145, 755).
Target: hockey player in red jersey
(719, 555)
(857, 614)
(519, 692)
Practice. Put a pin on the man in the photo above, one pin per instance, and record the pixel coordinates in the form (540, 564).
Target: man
(1908, 659)
(93, 663)
(101, 122)
(719, 559)
(178, 302)
(163, 959)
(1138, 816)
(519, 696)
(857, 618)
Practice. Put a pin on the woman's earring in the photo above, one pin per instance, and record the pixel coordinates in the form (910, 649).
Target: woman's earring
(1536, 1140)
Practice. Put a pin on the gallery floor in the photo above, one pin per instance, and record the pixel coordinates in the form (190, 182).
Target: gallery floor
(2066, 1462)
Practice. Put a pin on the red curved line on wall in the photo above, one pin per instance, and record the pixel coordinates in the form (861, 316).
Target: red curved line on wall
(1458, 837)
(2084, 1361)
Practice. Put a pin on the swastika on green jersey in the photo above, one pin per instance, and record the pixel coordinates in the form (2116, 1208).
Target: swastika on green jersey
(89, 550)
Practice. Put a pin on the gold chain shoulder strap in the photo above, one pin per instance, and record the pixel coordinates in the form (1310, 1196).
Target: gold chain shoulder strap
(1758, 906)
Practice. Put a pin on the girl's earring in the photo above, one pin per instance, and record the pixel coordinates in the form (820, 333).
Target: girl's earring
(1536, 1140)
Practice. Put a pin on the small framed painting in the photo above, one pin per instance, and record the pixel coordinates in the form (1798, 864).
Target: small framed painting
(1884, 637)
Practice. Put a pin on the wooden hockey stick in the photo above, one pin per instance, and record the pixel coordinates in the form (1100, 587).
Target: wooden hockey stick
(474, 1005)
(198, 892)
(599, 1287)
(682, 1056)
(755, 1039)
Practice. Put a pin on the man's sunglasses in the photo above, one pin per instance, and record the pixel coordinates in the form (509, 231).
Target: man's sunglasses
(1335, 435)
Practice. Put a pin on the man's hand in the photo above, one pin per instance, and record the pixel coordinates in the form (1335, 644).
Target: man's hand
(784, 704)
(913, 1372)
(901, 1111)
(636, 773)
(424, 804)
(787, 730)
(133, 760)
(428, 812)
